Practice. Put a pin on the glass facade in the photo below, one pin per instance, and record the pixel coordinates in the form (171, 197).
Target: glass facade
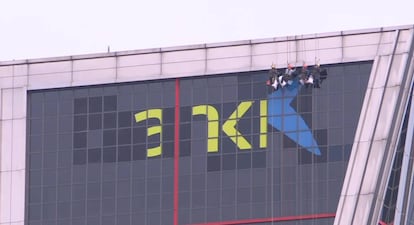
(390, 201)
(105, 154)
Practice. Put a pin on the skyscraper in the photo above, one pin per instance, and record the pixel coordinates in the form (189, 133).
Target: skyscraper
(193, 135)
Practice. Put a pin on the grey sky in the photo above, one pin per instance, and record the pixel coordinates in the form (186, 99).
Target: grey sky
(47, 28)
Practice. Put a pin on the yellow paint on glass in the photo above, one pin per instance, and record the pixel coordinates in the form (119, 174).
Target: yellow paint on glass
(231, 122)
(212, 125)
(263, 124)
(157, 114)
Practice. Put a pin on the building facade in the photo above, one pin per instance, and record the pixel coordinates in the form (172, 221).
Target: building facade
(193, 135)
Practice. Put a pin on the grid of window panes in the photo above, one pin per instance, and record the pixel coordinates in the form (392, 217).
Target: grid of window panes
(87, 156)
(88, 163)
(283, 179)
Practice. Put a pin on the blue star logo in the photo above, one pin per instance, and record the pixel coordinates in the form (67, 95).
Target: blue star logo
(285, 119)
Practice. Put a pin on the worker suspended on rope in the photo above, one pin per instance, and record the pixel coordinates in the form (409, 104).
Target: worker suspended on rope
(290, 74)
(290, 70)
(324, 74)
(274, 76)
(307, 78)
(317, 75)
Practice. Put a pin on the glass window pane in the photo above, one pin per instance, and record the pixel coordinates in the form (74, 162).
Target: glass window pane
(140, 152)
(80, 105)
(109, 137)
(244, 160)
(109, 120)
(95, 121)
(80, 123)
(109, 154)
(95, 104)
(94, 155)
(124, 136)
(110, 103)
(125, 119)
(124, 153)
(79, 140)
(214, 163)
(79, 157)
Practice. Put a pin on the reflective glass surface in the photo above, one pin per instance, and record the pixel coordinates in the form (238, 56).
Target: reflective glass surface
(105, 154)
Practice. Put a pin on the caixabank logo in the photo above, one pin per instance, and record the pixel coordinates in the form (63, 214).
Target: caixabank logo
(276, 111)
(236, 128)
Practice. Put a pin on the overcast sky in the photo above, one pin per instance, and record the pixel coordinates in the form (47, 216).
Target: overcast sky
(47, 28)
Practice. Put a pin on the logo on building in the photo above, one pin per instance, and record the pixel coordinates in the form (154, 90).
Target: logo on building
(283, 117)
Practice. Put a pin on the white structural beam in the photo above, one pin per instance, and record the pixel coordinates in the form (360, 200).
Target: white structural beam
(405, 190)
(377, 135)
(407, 172)
(12, 155)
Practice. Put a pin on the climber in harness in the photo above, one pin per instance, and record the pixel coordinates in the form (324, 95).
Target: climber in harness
(306, 78)
(274, 75)
(324, 74)
(290, 74)
(319, 75)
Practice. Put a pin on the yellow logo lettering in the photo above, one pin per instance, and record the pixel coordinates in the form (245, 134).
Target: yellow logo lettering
(157, 114)
(231, 122)
(212, 125)
(263, 124)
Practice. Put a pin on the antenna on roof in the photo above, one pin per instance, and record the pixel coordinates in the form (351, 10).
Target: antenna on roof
(109, 49)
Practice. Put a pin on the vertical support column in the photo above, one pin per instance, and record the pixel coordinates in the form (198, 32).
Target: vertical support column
(176, 150)
(12, 155)
(407, 172)
(405, 190)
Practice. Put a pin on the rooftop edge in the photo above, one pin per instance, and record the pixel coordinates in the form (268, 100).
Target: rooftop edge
(202, 46)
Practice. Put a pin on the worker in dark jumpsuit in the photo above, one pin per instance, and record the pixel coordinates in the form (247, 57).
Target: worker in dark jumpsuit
(316, 72)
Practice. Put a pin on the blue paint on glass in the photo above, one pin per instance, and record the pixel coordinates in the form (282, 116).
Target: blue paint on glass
(285, 119)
